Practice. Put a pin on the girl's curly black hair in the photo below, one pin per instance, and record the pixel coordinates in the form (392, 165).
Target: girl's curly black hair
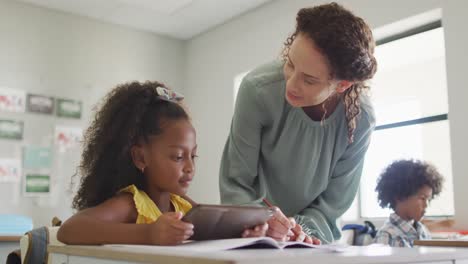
(403, 178)
(130, 113)
(347, 42)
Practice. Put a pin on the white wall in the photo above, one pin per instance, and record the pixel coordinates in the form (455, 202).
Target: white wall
(62, 55)
(456, 41)
(215, 57)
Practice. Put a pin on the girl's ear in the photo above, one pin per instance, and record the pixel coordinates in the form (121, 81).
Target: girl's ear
(138, 156)
(343, 86)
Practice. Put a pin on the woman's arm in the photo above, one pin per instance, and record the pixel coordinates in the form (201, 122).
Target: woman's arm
(239, 163)
(240, 158)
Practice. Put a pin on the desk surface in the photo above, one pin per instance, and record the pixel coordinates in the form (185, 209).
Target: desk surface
(371, 254)
(441, 243)
(10, 238)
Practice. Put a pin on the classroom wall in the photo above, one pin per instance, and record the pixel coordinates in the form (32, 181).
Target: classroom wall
(62, 55)
(215, 57)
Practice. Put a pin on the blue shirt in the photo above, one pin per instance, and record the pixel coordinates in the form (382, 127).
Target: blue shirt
(398, 232)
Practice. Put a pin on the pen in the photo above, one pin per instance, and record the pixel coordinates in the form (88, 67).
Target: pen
(290, 232)
(299, 235)
(267, 202)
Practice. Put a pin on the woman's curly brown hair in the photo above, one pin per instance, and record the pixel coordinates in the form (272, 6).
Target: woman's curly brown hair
(129, 114)
(403, 178)
(347, 42)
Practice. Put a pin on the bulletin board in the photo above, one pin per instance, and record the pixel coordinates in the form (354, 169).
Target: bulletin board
(39, 134)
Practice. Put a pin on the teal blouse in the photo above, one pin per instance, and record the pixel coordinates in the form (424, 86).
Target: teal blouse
(305, 167)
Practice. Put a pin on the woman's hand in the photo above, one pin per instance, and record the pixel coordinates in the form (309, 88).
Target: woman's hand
(279, 226)
(170, 230)
(300, 236)
(257, 231)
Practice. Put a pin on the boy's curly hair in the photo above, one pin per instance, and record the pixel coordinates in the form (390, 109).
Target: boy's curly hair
(403, 178)
(129, 114)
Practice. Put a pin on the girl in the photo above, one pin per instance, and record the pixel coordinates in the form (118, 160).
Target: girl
(137, 164)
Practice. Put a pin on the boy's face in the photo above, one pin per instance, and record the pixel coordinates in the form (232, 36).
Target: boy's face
(414, 207)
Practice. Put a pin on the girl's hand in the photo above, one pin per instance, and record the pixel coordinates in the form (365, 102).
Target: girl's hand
(257, 231)
(279, 226)
(170, 230)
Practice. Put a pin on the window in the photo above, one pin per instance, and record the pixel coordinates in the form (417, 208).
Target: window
(409, 92)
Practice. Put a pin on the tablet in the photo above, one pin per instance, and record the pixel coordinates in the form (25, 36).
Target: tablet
(224, 221)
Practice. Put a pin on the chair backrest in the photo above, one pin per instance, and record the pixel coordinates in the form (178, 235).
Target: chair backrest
(362, 234)
(34, 245)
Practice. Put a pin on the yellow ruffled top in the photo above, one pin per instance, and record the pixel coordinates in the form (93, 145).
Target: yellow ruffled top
(148, 211)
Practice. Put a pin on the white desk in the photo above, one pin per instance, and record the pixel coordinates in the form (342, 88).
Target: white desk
(355, 255)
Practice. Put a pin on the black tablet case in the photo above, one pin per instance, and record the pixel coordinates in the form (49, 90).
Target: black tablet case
(224, 221)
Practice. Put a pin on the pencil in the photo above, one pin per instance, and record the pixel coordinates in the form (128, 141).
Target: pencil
(267, 202)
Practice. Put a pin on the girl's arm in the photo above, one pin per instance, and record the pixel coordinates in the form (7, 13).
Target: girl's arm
(113, 222)
(110, 222)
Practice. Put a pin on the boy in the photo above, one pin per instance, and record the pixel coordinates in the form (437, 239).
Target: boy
(406, 186)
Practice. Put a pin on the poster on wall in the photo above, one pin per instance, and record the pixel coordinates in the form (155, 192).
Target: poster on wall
(67, 138)
(12, 100)
(11, 129)
(40, 104)
(10, 170)
(35, 157)
(68, 108)
(36, 184)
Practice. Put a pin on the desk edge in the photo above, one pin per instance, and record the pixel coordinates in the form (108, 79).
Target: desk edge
(108, 253)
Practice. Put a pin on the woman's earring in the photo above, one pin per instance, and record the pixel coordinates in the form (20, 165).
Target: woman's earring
(142, 170)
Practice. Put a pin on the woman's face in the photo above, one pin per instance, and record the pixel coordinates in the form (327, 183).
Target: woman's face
(307, 73)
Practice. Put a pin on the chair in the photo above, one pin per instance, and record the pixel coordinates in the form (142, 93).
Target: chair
(33, 245)
(360, 235)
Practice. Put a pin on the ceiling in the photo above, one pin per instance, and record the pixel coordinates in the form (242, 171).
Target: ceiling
(182, 19)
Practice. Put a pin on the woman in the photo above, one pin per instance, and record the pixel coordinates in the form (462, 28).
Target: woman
(302, 126)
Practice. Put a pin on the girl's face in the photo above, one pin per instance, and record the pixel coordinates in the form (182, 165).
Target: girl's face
(169, 157)
(307, 73)
(414, 207)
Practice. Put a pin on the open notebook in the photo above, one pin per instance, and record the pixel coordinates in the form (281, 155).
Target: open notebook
(242, 243)
(255, 242)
